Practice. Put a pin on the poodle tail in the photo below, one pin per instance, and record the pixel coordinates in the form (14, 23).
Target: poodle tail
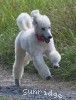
(24, 21)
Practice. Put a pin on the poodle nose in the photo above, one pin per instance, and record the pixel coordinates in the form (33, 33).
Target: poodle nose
(49, 37)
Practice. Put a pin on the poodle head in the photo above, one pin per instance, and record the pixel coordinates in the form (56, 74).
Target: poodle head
(42, 25)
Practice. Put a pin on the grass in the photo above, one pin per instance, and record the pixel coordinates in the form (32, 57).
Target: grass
(62, 15)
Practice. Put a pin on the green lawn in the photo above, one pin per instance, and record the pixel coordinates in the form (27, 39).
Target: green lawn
(62, 14)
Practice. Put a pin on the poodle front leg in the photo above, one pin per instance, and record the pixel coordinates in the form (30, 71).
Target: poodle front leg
(42, 68)
(54, 57)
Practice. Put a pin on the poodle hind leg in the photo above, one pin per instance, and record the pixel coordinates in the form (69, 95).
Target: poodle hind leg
(18, 67)
(27, 59)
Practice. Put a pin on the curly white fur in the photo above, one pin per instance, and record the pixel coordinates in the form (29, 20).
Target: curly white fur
(27, 47)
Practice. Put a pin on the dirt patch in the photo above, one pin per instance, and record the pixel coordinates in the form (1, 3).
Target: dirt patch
(33, 87)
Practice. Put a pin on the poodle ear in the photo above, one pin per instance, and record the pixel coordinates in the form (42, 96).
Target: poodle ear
(35, 14)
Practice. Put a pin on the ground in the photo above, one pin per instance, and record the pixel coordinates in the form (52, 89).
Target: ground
(33, 87)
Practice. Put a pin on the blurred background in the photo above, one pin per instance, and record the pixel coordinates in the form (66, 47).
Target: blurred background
(62, 14)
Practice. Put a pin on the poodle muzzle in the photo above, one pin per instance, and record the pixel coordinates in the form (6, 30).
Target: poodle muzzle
(42, 38)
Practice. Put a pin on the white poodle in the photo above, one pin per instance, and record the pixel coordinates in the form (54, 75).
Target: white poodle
(32, 43)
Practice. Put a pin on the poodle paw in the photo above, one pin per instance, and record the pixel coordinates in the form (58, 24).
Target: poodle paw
(48, 77)
(56, 67)
(17, 82)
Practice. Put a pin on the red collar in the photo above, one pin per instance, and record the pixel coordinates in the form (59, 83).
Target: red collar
(40, 37)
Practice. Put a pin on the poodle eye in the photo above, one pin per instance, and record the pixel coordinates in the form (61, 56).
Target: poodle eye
(43, 29)
(49, 27)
